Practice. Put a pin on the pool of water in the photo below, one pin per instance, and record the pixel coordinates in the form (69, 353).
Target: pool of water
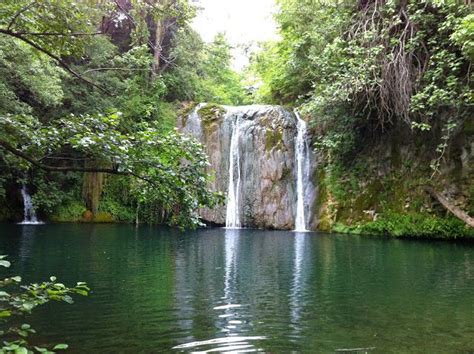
(161, 290)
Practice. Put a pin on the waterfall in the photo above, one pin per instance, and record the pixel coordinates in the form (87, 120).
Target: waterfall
(29, 214)
(193, 124)
(302, 162)
(257, 161)
(233, 213)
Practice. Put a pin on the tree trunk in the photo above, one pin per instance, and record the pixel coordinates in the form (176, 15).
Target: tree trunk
(160, 31)
(158, 48)
(460, 214)
(92, 188)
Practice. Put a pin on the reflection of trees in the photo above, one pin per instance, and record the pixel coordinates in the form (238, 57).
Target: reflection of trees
(199, 264)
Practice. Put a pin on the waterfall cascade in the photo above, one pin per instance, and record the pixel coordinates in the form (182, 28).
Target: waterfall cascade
(29, 214)
(302, 169)
(260, 159)
(233, 211)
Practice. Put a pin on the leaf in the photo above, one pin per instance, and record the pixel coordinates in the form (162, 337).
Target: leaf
(27, 306)
(23, 333)
(61, 347)
(5, 264)
(21, 350)
(5, 313)
(82, 292)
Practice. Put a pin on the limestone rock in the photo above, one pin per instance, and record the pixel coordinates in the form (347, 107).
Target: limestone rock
(267, 161)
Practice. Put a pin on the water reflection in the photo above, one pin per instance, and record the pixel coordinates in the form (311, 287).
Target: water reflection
(244, 290)
(298, 284)
(230, 313)
(231, 250)
(27, 240)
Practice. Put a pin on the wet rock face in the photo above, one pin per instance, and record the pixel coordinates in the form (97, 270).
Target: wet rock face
(267, 193)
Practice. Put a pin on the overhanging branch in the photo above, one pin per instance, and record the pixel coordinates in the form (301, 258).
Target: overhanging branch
(22, 10)
(61, 62)
(59, 34)
(114, 171)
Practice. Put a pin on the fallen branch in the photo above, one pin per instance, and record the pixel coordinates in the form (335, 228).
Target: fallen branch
(460, 214)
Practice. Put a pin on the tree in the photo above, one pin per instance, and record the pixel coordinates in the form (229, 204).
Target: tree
(51, 124)
(364, 67)
(55, 28)
(169, 170)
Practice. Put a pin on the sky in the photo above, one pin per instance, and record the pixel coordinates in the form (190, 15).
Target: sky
(243, 22)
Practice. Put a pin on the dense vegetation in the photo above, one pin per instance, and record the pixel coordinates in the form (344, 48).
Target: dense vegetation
(89, 93)
(387, 88)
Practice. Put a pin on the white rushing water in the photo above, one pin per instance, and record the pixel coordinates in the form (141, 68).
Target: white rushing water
(193, 124)
(302, 161)
(29, 214)
(233, 212)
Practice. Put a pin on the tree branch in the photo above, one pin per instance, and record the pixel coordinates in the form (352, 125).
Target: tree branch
(58, 34)
(22, 10)
(112, 171)
(55, 57)
(460, 214)
(119, 69)
(42, 166)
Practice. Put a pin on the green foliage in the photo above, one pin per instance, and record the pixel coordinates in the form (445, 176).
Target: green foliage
(22, 70)
(359, 68)
(53, 17)
(380, 82)
(69, 211)
(53, 191)
(18, 300)
(48, 112)
(202, 72)
(118, 200)
(463, 36)
(166, 169)
(411, 226)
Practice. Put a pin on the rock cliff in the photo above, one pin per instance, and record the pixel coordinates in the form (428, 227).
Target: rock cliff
(265, 161)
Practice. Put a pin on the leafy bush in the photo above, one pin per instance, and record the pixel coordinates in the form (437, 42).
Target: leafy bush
(17, 300)
(69, 212)
(411, 226)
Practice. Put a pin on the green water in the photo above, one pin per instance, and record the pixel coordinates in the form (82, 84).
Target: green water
(159, 290)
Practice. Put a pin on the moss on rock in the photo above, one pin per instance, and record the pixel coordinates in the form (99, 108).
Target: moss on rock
(210, 113)
(103, 217)
(273, 139)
